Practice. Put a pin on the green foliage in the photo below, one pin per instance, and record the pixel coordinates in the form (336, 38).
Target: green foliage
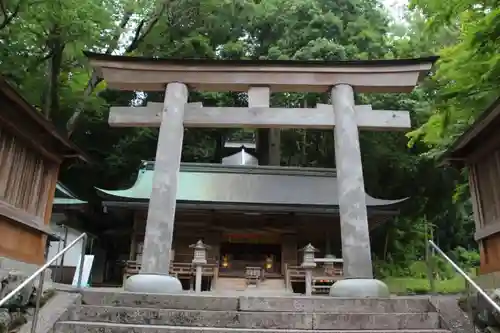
(420, 286)
(415, 278)
(467, 76)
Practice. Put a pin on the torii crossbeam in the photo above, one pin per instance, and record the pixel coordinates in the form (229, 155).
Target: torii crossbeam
(259, 79)
(320, 117)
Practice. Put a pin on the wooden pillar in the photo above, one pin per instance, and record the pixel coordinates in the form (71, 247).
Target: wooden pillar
(268, 140)
(351, 189)
(288, 251)
(274, 146)
(328, 244)
(133, 238)
(478, 213)
(161, 214)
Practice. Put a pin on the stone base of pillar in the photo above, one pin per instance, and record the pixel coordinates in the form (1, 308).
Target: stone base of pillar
(353, 288)
(153, 284)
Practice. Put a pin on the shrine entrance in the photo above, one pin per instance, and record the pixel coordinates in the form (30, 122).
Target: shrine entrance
(340, 79)
(237, 252)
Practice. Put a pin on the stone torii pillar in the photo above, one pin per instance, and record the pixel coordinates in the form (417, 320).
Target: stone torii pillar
(156, 257)
(356, 251)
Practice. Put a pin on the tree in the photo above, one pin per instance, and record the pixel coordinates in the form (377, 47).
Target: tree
(468, 74)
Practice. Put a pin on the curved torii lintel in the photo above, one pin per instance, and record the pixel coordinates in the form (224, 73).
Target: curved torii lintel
(151, 74)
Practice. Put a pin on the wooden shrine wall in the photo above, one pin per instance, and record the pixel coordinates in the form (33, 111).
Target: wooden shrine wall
(484, 180)
(27, 187)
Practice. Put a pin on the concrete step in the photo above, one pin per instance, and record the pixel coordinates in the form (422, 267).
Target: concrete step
(238, 287)
(224, 283)
(91, 327)
(335, 305)
(253, 291)
(273, 284)
(257, 320)
(161, 301)
(258, 304)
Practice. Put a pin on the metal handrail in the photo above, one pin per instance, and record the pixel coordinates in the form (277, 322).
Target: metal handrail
(41, 271)
(466, 277)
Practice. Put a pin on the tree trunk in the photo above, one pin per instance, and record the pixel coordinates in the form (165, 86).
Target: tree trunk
(51, 102)
(9, 15)
(219, 146)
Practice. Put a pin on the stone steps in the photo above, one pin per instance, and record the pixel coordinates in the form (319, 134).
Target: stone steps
(336, 305)
(258, 304)
(179, 301)
(273, 284)
(226, 283)
(92, 327)
(238, 287)
(257, 320)
(120, 312)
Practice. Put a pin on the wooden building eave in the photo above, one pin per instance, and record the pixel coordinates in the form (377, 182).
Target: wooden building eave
(151, 74)
(28, 124)
(260, 209)
(25, 219)
(476, 140)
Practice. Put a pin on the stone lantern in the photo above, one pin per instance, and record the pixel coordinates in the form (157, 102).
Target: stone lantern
(199, 259)
(200, 252)
(308, 264)
(308, 256)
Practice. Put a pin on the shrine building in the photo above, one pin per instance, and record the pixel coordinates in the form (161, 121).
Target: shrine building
(250, 215)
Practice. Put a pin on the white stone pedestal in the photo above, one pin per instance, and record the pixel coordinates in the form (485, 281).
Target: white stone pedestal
(153, 284)
(354, 288)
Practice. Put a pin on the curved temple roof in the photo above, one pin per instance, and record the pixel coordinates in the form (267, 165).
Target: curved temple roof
(215, 183)
(64, 196)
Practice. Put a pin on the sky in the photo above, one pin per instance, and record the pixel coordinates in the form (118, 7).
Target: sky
(395, 7)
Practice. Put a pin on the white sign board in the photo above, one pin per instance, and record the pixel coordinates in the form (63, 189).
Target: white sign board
(87, 266)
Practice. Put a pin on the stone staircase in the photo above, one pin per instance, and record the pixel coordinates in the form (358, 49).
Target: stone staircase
(120, 312)
(230, 284)
(226, 286)
(273, 284)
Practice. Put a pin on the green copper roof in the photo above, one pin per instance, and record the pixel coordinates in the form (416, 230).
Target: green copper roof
(64, 196)
(214, 183)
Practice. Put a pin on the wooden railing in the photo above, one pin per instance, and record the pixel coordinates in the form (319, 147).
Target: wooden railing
(321, 275)
(294, 274)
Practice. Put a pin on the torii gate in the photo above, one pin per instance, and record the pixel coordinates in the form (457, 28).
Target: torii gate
(259, 79)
